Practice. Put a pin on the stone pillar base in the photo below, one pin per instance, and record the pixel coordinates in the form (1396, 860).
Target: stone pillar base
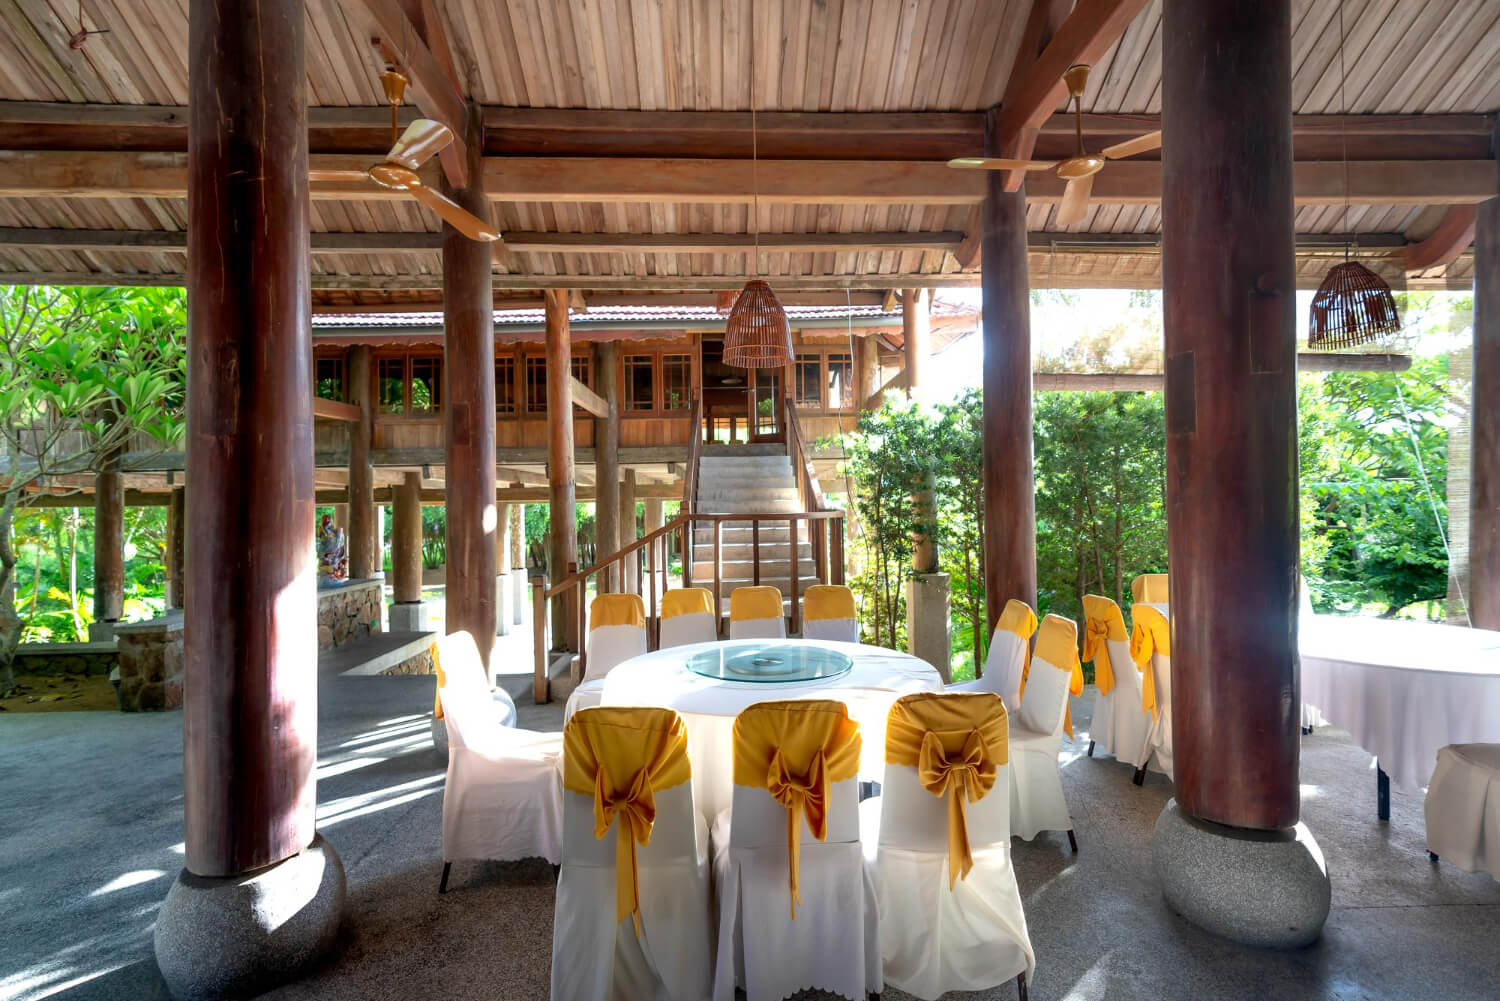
(411, 617)
(1261, 888)
(521, 594)
(503, 614)
(928, 633)
(242, 935)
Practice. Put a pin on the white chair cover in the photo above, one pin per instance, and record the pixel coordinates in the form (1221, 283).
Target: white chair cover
(596, 957)
(1311, 715)
(1158, 746)
(1005, 661)
(833, 944)
(1036, 732)
(585, 696)
(690, 627)
(1463, 807)
(838, 630)
(932, 939)
(1120, 725)
(755, 613)
(828, 613)
(758, 629)
(502, 798)
(612, 641)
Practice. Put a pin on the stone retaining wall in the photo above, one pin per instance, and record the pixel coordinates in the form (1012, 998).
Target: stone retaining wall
(420, 663)
(151, 664)
(57, 659)
(348, 612)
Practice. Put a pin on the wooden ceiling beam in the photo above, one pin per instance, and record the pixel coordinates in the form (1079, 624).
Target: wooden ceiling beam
(1454, 233)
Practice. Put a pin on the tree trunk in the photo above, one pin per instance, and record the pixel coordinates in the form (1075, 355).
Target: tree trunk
(73, 576)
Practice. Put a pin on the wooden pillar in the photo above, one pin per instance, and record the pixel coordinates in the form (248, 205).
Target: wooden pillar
(176, 515)
(518, 536)
(867, 373)
(560, 476)
(1484, 483)
(109, 540)
(1009, 501)
(916, 331)
(655, 518)
(406, 540)
(250, 647)
(469, 412)
(628, 534)
(607, 461)
(1229, 298)
(502, 541)
(364, 544)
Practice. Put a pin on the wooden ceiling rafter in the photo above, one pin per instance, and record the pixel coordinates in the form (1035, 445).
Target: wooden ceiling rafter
(1452, 236)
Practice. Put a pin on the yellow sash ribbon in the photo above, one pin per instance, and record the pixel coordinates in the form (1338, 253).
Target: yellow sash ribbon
(796, 751)
(957, 744)
(1018, 618)
(828, 601)
(622, 757)
(1152, 587)
(442, 679)
(747, 603)
(1150, 634)
(686, 601)
(1102, 623)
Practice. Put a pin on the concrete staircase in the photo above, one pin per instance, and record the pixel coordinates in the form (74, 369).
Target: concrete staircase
(750, 479)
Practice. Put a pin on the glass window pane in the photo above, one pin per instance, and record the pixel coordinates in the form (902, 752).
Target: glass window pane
(640, 382)
(505, 386)
(840, 381)
(676, 376)
(328, 382)
(391, 375)
(426, 385)
(536, 384)
(809, 381)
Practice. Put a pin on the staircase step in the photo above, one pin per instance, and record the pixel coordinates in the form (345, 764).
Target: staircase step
(743, 451)
(739, 533)
(743, 553)
(745, 569)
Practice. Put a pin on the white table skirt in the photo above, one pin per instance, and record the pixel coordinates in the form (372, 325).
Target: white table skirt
(1402, 689)
(708, 706)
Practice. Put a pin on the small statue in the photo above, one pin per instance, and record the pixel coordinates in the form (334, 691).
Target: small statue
(333, 552)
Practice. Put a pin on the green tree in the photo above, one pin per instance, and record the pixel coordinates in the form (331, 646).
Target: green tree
(84, 372)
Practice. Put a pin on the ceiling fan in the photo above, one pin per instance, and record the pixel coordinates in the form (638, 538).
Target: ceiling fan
(422, 140)
(1077, 170)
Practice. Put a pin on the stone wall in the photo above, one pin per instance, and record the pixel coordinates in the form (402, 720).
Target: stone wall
(420, 663)
(348, 612)
(57, 659)
(151, 664)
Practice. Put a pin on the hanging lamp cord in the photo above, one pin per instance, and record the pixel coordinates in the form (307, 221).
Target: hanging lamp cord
(1344, 129)
(754, 149)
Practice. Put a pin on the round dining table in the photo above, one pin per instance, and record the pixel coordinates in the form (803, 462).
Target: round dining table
(1403, 689)
(868, 680)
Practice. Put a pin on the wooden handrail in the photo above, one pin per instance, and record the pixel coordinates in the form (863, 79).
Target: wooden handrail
(807, 477)
(694, 456)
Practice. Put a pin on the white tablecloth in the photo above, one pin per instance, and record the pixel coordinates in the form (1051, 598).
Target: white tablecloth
(708, 706)
(1402, 689)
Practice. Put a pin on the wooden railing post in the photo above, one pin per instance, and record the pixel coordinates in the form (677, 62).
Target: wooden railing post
(837, 556)
(540, 690)
(579, 592)
(796, 578)
(651, 596)
(755, 551)
(687, 552)
(718, 580)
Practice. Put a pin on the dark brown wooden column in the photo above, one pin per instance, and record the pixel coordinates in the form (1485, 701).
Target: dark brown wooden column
(1228, 273)
(560, 475)
(1484, 483)
(469, 412)
(109, 540)
(176, 515)
(626, 509)
(1009, 501)
(364, 544)
(406, 540)
(916, 333)
(250, 650)
(607, 461)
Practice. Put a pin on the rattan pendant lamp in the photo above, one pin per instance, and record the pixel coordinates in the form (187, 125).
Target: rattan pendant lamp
(1353, 305)
(757, 334)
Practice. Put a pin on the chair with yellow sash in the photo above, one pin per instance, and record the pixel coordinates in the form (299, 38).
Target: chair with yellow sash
(687, 616)
(938, 840)
(828, 614)
(796, 902)
(502, 798)
(1121, 723)
(756, 613)
(463, 656)
(1150, 588)
(617, 632)
(1005, 663)
(1151, 649)
(633, 911)
(1036, 732)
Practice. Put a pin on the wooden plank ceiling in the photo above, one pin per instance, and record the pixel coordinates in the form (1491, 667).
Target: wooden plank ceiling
(927, 67)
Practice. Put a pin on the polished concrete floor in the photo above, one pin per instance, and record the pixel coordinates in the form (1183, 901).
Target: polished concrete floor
(91, 838)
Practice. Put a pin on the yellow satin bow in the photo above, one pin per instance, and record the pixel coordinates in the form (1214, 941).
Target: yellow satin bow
(1096, 649)
(636, 811)
(803, 796)
(1150, 634)
(966, 777)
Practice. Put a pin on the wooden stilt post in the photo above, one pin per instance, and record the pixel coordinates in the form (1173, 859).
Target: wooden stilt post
(560, 475)
(607, 463)
(364, 544)
(1484, 484)
(109, 540)
(250, 644)
(406, 540)
(626, 508)
(469, 411)
(176, 516)
(1229, 284)
(1009, 499)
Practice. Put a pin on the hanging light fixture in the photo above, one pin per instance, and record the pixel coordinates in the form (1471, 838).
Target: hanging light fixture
(1353, 305)
(757, 334)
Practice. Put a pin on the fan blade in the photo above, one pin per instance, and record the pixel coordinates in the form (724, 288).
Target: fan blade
(456, 216)
(1075, 200)
(422, 140)
(337, 176)
(993, 163)
(1130, 147)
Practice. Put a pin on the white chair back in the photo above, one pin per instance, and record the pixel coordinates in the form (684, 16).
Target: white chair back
(617, 632)
(673, 834)
(828, 613)
(470, 712)
(1005, 661)
(687, 616)
(760, 822)
(913, 819)
(1046, 698)
(836, 630)
(756, 613)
